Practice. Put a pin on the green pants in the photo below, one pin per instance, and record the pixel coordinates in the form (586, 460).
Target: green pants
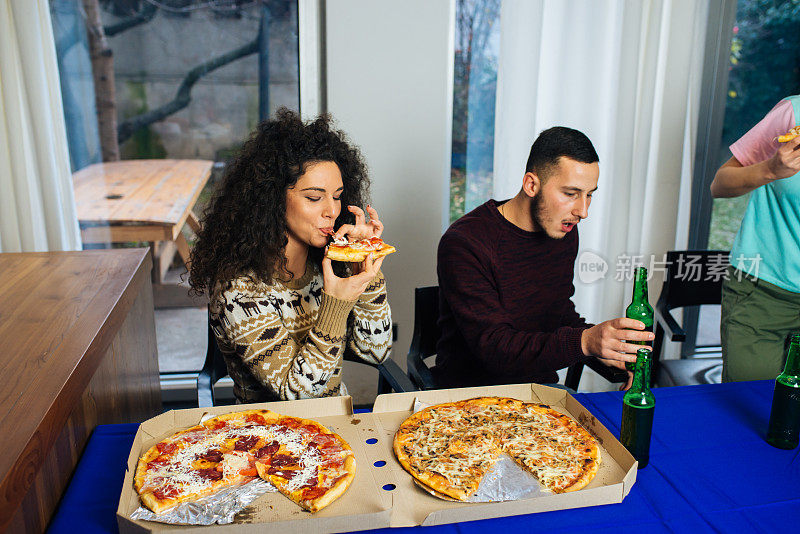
(757, 318)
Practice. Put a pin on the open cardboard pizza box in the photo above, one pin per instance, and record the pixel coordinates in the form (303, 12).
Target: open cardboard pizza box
(363, 506)
(413, 506)
(383, 494)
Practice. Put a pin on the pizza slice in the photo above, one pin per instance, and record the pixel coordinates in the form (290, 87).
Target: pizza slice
(788, 136)
(313, 478)
(443, 454)
(458, 477)
(357, 251)
(189, 466)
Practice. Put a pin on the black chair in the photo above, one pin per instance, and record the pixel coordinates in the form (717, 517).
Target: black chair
(427, 333)
(692, 278)
(390, 376)
(213, 370)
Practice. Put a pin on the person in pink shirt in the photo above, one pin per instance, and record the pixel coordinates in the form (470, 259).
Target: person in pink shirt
(761, 297)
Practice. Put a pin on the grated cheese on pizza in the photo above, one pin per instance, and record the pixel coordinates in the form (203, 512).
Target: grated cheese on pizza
(450, 447)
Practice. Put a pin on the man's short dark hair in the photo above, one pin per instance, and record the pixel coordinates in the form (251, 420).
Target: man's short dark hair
(557, 142)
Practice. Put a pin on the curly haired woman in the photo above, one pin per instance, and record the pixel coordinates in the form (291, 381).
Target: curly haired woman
(281, 312)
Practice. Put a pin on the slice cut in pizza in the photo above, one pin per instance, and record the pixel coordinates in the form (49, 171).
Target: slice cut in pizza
(357, 251)
(316, 477)
(788, 136)
(190, 465)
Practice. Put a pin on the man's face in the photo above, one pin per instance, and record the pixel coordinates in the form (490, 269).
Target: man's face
(562, 199)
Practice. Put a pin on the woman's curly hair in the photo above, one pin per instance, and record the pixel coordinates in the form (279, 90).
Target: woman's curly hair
(244, 225)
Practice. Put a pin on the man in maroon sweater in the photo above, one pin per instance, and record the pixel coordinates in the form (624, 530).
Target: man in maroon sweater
(505, 277)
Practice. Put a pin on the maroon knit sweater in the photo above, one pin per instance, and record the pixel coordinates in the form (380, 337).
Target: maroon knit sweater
(505, 309)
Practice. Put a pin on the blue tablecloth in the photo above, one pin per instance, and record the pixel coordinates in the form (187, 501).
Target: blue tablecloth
(710, 471)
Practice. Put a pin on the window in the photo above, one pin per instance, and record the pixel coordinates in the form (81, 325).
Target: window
(230, 76)
(474, 90)
(764, 67)
(192, 78)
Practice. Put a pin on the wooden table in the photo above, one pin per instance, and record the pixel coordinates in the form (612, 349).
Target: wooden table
(79, 349)
(143, 201)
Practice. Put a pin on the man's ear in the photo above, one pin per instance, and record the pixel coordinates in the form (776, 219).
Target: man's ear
(531, 184)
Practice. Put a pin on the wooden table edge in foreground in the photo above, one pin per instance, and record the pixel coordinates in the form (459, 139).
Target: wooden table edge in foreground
(80, 351)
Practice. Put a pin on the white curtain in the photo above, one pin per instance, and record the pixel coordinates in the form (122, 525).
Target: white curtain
(37, 206)
(627, 73)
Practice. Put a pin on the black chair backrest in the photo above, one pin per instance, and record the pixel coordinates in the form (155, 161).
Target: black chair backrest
(426, 320)
(693, 278)
(213, 369)
(427, 333)
(425, 337)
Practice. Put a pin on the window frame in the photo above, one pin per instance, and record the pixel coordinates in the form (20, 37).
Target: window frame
(713, 96)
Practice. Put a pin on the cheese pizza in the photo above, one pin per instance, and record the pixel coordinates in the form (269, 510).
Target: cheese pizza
(304, 460)
(450, 447)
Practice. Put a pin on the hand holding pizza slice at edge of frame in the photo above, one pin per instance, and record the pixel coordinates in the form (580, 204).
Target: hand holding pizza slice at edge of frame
(788, 136)
(785, 163)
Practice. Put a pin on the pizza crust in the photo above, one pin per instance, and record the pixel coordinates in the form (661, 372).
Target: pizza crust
(435, 493)
(592, 466)
(337, 490)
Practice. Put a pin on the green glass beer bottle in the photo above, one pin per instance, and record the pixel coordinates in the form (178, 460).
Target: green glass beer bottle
(638, 406)
(639, 307)
(784, 418)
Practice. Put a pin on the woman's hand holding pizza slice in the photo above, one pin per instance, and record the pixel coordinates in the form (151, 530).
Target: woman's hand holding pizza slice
(352, 287)
(362, 247)
(361, 229)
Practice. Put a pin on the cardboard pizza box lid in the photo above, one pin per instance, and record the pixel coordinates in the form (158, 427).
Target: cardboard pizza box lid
(363, 506)
(413, 506)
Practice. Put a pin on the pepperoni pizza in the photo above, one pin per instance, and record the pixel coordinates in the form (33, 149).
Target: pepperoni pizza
(304, 460)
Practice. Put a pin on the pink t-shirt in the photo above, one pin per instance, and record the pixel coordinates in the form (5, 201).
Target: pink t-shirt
(759, 143)
(767, 245)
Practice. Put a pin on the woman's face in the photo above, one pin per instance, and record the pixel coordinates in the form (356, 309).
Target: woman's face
(313, 203)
